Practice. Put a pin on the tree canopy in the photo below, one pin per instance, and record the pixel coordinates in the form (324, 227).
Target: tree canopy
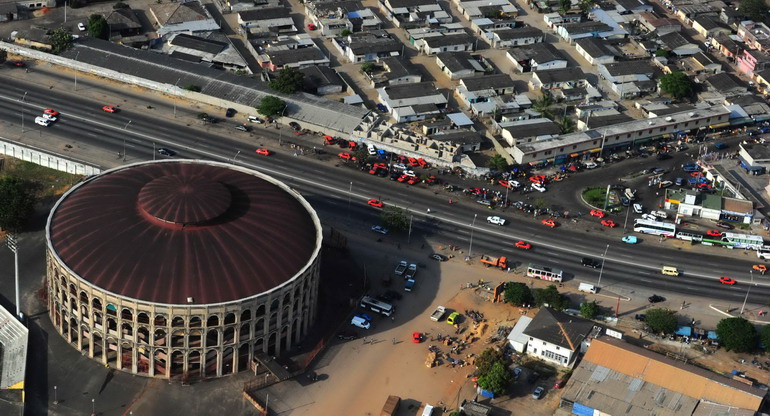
(288, 81)
(98, 27)
(551, 297)
(496, 380)
(676, 84)
(755, 9)
(498, 162)
(17, 203)
(271, 106)
(61, 40)
(764, 336)
(487, 359)
(737, 334)
(517, 294)
(589, 310)
(661, 320)
(395, 218)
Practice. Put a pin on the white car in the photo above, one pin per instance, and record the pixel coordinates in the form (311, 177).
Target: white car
(81, 27)
(638, 208)
(539, 187)
(496, 220)
(399, 166)
(591, 165)
(649, 217)
(255, 119)
(49, 117)
(42, 121)
(659, 214)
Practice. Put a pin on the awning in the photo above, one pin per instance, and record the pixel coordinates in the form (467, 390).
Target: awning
(595, 150)
(574, 154)
(684, 331)
(718, 126)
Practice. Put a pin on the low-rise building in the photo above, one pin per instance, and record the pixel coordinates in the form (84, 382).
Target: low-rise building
(751, 61)
(701, 63)
(629, 78)
(322, 80)
(692, 203)
(34, 37)
(211, 47)
(659, 25)
(678, 44)
(276, 20)
(525, 131)
(754, 158)
(596, 51)
(755, 35)
(729, 46)
(188, 17)
(762, 78)
(460, 42)
(331, 18)
(536, 57)
(368, 47)
(709, 27)
(410, 14)
(481, 90)
(558, 78)
(726, 84)
(124, 22)
(298, 51)
(558, 338)
(458, 65)
(633, 6)
(475, 9)
(512, 37)
(395, 70)
(412, 102)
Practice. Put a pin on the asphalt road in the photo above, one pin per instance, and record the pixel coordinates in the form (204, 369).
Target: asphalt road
(333, 188)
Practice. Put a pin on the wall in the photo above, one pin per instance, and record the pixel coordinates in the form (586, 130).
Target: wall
(46, 159)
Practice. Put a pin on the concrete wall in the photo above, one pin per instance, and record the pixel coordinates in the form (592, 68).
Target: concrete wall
(46, 159)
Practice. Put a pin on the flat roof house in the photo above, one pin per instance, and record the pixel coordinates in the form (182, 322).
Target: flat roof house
(409, 14)
(512, 37)
(558, 78)
(458, 65)
(412, 102)
(187, 17)
(596, 51)
(459, 42)
(368, 47)
(539, 56)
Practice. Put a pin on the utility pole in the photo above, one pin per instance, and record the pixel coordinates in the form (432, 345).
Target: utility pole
(473, 224)
(11, 242)
(604, 256)
(748, 291)
(124, 140)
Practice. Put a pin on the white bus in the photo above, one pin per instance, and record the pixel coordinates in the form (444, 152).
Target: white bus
(654, 227)
(544, 273)
(764, 252)
(368, 302)
(735, 240)
(681, 235)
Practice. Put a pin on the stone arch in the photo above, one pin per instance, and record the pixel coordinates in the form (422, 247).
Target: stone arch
(194, 363)
(127, 356)
(230, 318)
(112, 352)
(83, 297)
(297, 330)
(85, 344)
(177, 338)
(112, 324)
(159, 338)
(142, 335)
(274, 304)
(259, 346)
(73, 303)
(285, 338)
(260, 311)
(98, 352)
(211, 363)
(126, 314)
(271, 341)
(195, 339)
(177, 363)
(195, 322)
(96, 304)
(98, 318)
(126, 330)
(143, 361)
(159, 362)
(73, 290)
(111, 310)
(245, 332)
(212, 337)
(160, 320)
(212, 321)
(243, 357)
(227, 360)
(143, 318)
(84, 309)
(287, 299)
(259, 327)
(246, 315)
(177, 322)
(228, 336)
(63, 281)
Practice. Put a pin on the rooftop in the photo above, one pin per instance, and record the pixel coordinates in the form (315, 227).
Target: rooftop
(398, 67)
(560, 329)
(267, 13)
(176, 13)
(595, 48)
(420, 89)
(518, 33)
(537, 52)
(629, 68)
(560, 75)
(674, 40)
(449, 40)
(197, 43)
(457, 136)
(495, 81)
(458, 61)
(586, 27)
(281, 57)
(725, 82)
(533, 127)
(167, 231)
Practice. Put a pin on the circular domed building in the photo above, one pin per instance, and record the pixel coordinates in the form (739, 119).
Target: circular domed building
(182, 268)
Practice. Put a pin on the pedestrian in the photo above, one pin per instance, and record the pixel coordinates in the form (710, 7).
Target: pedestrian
(394, 341)
(392, 319)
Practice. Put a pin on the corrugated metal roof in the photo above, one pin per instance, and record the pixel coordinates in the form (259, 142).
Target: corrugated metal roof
(13, 349)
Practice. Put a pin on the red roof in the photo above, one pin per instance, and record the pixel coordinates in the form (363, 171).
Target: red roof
(163, 232)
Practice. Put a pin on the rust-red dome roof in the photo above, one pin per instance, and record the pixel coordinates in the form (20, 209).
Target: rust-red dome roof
(168, 231)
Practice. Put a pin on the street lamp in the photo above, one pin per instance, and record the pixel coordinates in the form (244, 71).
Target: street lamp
(473, 224)
(604, 256)
(93, 407)
(55, 399)
(124, 140)
(174, 99)
(350, 194)
(10, 241)
(748, 291)
(76, 72)
(22, 111)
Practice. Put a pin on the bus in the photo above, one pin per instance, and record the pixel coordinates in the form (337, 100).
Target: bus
(544, 273)
(654, 227)
(681, 235)
(748, 241)
(368, 302)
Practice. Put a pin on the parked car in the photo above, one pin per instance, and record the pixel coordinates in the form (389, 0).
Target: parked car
(241, 127)
(656, 299)
(538, 393)
(230, 112)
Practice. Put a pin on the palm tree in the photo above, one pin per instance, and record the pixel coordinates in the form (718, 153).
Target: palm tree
(567, 125)
(498, 162)
(543, 106)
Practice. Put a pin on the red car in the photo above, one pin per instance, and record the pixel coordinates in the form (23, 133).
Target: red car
(375, 203)
(110, 109)
(311, 26)
(550, 223)
(431, 180)
(423, 163)
(404, 178)
(329, 140)
(263, 152)
(523, 245)
(598, 213)
(726, 280)
(416, 337)
(412, 161)
(413, 180)
(353, 145)
(538, 179)
(609, 223)
(560, 383)
(504, 183)
(51, 112)
(346, 156)
(714, 233)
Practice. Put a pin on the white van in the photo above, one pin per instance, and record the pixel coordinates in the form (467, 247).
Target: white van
(587, 287)
(659, 214)
(669, 271)
(42, 121)
(360, 322)
(371, 149)
(630, 194)
(638, 208)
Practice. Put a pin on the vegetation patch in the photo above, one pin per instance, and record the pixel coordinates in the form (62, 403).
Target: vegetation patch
(595, 196)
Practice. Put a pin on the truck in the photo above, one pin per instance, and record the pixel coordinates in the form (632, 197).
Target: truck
(411, 271)
(438, 314)
(401, 268)
(489, 261)
(391, 406)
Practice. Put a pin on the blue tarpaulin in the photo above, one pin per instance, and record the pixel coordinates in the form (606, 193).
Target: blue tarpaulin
(712, 335)
(684, 331)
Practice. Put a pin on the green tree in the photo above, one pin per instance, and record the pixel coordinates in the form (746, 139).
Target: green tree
(661, 320)
(488, 358)
(61, 40)
(17, 202)
(517, 294)
(288, 81)
(120, 5)
(589, 310)
(586, 5)
(565, 6)
(368, 67)
(98, 27)
(496, 380)
(755, 9)
(498, 162)
(662, 52)
(395, 218)
(567, 125)
(541, 203)
(271, 106)
(543, 106)
(737, 334)
(346, 32)
(550, 297)
(764, 336)
(676, 84)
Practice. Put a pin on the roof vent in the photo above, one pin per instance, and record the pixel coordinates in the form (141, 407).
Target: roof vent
(652, 123)
(190, 299)
(669, 119)
(692, 114)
